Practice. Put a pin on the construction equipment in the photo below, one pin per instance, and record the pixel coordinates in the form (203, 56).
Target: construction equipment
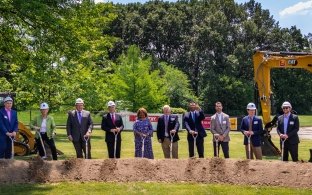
(263, 62)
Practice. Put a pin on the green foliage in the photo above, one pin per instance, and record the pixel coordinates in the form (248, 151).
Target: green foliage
(135, 83)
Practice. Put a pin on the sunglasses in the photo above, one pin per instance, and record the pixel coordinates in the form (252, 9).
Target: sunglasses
(284, 108)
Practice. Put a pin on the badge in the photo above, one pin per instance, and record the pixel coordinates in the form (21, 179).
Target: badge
(291, 122)
(224, 122)
(255, 122)
(5, 117)
(172, 119)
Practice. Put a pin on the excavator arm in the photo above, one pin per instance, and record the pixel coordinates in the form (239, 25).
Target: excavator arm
(263, 62)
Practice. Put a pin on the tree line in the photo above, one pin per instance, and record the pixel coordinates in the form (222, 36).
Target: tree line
(147, 54)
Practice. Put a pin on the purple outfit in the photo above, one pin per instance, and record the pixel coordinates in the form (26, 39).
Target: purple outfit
(143, 126)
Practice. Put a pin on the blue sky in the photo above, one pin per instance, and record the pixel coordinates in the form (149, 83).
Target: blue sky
(287, 12)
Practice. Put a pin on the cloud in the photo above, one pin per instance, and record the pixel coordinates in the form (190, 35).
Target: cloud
(302, 8)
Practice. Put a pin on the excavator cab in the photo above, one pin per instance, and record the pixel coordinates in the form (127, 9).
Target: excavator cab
(263, 62)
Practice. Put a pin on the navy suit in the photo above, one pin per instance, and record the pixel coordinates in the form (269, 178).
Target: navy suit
(291, 144)
(7, 125)
(107, 125)
(257, 129)
(195, 126)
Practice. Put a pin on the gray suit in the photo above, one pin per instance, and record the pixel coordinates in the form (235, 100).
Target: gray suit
(221, 128)
(78, 130)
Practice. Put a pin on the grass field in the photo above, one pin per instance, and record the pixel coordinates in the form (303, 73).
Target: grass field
(61, 117)
(99, 150)
(99, 188)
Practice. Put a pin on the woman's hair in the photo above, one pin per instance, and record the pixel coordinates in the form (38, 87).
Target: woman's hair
(143, 110)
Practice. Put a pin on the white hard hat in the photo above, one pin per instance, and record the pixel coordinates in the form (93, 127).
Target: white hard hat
(251, 106)
(286, 104)
(79, 101)
(110, 103)
(8, 99)
(44, 106)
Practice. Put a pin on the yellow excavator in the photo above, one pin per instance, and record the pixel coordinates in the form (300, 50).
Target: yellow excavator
(263, 62)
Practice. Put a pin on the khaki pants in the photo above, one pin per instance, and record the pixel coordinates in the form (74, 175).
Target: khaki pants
(254, 151)
(166, 148)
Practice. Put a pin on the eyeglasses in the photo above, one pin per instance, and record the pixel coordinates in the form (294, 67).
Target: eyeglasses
(284, 108)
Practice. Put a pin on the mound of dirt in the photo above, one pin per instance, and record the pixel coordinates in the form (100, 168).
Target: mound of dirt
(210, 170)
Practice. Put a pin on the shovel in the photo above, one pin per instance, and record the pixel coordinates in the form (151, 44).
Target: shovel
(171, 142)
(12, 145)
(283, 144)
(42, 144)
(216, 138)
(143, 140)
(115, 143)
(194, 137)
(249, 146)
(86, 139)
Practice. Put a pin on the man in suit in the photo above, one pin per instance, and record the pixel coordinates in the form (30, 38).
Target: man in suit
(195, 129)
(167, 126)
(220, 128)
(287, 129)
(79, 128)
(8, 128)
(251, 126)
(112, 124)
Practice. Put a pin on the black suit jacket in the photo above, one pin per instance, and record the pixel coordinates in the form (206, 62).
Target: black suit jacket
(107, 125)
(74, 128)
(190, 125)
(292, 128)
(173, 123)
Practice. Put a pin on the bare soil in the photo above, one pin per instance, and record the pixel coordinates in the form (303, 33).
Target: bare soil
(210, 170)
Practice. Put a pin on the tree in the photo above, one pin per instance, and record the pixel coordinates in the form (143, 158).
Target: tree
(135, 85)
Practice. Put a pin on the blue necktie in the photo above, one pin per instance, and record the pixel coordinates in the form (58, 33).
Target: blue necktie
(193, 116)
(79, 117)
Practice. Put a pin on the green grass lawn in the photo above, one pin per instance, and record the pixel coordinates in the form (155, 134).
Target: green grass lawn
(99, 150)
(97, 188)
(61, 117)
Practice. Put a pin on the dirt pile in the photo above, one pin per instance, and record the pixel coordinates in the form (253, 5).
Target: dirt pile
(211, 170)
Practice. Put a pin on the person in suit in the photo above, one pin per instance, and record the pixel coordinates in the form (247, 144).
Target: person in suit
(45, 126)
(112, 124)
(220, 128)
(194, 127)
(251, 126)
(79, 128)
(8, 128)
(167, 126)
(287, 129)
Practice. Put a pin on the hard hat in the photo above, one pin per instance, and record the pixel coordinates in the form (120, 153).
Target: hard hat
(286, 104)
(79, 101)
(251, 106)
(8, 99)
(44, 106)
(110, 103)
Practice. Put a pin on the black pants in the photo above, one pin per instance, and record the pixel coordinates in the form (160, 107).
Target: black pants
(292, 149)
(80, 146)
(199, 145)
(110, 148)
(51, 144)
(225, 149)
